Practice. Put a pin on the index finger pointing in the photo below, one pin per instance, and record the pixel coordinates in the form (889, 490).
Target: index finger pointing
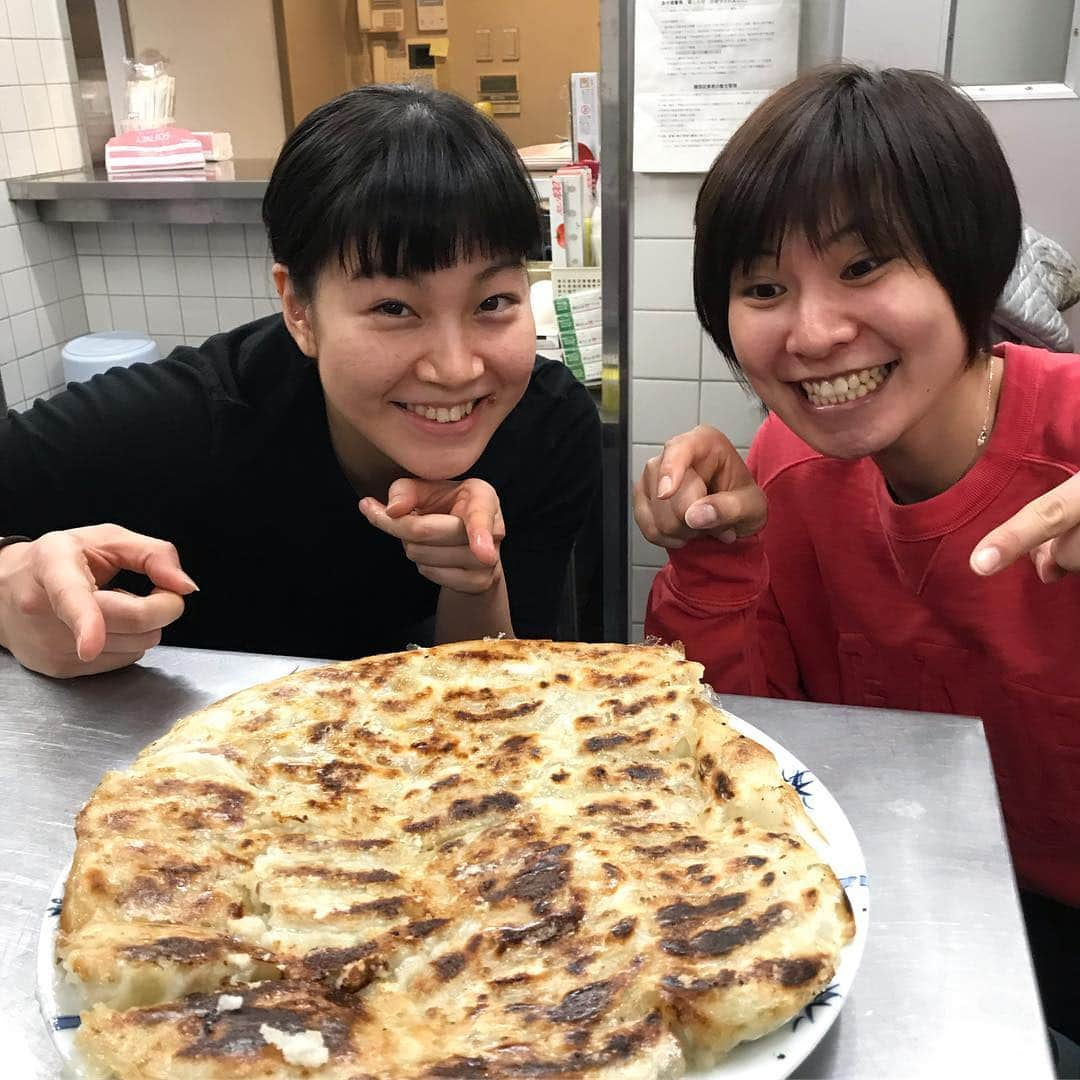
(701, 449)
(1043, 519)
(675, 458)
(480, 521)
(477, 506)
(157, 559)
(71, 596)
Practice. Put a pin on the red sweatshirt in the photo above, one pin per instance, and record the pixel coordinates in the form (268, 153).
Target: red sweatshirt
(847, 597)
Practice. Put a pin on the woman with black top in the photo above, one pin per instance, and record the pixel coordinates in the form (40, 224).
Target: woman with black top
(388, 453)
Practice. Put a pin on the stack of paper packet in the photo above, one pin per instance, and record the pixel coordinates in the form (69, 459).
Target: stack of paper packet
(580, 322)
(168, 152)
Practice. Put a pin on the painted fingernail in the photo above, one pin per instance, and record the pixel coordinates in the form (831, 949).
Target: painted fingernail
(701, 517)
(663, 489)
(986, 560)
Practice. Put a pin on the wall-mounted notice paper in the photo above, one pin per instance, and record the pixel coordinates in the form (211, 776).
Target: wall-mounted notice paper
(700, 68)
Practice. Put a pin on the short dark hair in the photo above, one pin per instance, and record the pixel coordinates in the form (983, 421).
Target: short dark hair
(902, 156)
(397, 180)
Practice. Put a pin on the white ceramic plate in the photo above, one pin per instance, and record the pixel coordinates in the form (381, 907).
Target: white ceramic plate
(778, 1054)
(772, 1057)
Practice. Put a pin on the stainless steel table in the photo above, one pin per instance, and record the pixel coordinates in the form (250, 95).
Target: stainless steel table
(945, 987)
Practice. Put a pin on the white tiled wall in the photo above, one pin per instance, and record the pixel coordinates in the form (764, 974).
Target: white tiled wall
(41, 301)
(177, 283)
(39, 122)
(678, 378)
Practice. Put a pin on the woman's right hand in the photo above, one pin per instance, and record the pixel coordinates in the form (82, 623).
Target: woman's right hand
(56, 619)
(698, 486)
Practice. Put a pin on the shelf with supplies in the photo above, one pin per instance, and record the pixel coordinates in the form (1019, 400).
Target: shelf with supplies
(229, 192)
(567, 308)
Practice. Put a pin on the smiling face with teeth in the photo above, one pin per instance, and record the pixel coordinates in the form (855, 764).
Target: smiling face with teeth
(859, 354)
(859, 226)
(418, 372)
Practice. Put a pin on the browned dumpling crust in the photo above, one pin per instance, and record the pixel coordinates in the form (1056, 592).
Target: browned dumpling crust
(491, 859)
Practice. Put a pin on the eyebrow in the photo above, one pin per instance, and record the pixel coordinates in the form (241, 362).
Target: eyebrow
(839, 234)
(497, 268)
(827, 242)
(484, 275)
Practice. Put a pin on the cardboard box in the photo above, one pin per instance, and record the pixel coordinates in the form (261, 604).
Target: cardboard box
(572, 359)
(592, 363)
(567, 209)
(585, 116)
(583, 303)
(583, 337)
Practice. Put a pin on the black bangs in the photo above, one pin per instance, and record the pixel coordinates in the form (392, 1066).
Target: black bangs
(821, 186)
(398, 181)
(899, 158)
(431, 201)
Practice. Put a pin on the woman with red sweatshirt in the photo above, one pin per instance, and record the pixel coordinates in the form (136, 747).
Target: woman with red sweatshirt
(851, 241)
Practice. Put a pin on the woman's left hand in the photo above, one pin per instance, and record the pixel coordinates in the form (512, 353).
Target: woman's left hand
(451, 529)
(1047, 530)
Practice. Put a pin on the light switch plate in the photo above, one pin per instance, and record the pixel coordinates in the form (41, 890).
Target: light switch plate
(482, 45)
(431, 15)
(381, 16)
(510, 43)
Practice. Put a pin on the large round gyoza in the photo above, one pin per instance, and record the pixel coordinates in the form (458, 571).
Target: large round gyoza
(491, 859)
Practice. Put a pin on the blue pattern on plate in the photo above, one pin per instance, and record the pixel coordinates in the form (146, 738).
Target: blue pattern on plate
(823, 999)
(66, 1022)
(855, 879)
(800, 781)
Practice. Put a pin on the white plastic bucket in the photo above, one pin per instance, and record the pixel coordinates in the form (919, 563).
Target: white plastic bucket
(93, 354)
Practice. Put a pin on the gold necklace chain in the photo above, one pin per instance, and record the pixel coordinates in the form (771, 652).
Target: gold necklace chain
(984, 434)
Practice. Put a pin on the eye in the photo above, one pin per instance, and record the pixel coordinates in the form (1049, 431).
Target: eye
(763, 290)
(394, 308)
(862, 267)
(502, 302)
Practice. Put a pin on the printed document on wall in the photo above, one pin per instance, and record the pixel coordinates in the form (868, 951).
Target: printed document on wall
(700, 68)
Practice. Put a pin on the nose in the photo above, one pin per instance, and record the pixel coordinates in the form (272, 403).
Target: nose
(819, 326)
(451, 361)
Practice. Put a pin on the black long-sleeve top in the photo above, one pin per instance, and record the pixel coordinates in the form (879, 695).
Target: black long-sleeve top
(225, 451)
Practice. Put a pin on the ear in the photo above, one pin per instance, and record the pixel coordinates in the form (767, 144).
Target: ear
(297, 312)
